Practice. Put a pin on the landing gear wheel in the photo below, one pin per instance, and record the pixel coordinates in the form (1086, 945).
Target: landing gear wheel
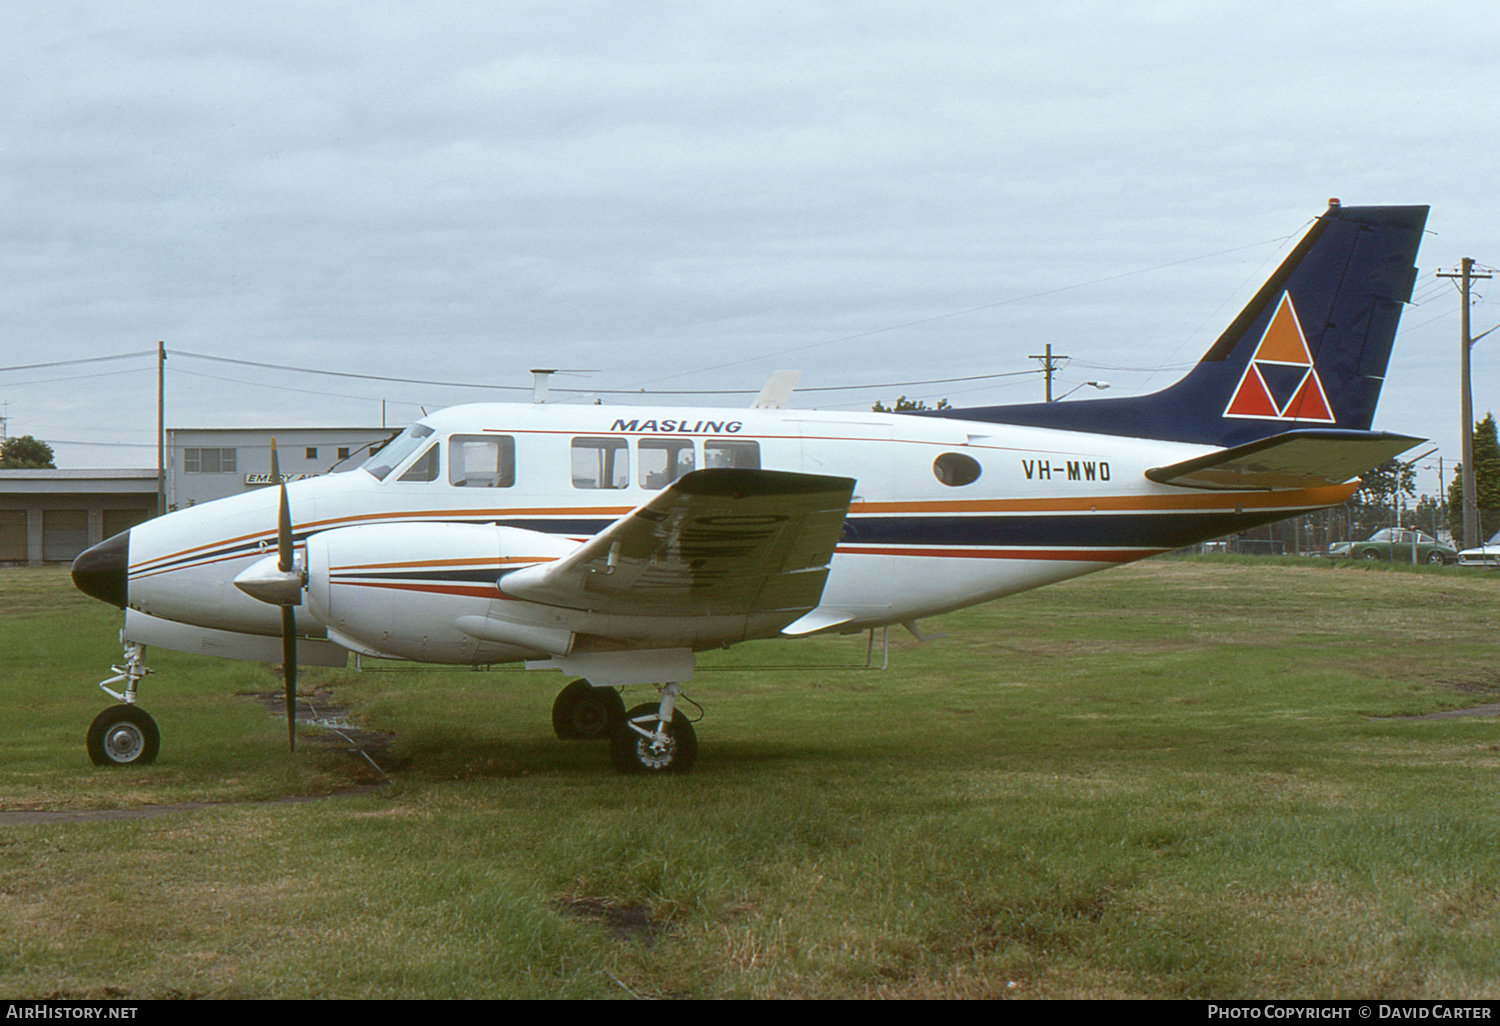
(633, 753)
(583, 712)
(123, 735)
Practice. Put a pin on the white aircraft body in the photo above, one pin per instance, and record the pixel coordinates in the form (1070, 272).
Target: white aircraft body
(615, 542)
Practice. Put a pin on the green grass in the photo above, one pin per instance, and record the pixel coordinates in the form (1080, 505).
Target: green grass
(1183, 778)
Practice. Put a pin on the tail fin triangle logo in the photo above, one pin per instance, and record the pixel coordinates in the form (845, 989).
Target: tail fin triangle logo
(1280, 382)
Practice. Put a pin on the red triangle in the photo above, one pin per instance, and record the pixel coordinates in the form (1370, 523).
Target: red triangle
(1251, 399)
(1309, 403)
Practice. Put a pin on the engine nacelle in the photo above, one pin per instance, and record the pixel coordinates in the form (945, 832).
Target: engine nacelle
(428, 592)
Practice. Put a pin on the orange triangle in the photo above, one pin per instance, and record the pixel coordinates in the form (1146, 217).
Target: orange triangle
(1283, 341)
(1251, 399)
(1309, 403)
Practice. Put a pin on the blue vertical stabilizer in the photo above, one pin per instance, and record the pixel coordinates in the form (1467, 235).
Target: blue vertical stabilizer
(1309, 351)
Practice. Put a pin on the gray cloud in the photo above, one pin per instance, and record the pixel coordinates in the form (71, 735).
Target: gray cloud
(696, 195)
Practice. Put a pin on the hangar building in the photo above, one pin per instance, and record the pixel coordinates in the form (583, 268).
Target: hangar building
(50, 516)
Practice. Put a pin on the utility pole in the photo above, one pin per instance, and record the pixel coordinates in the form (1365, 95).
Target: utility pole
(161, 428)
(1049, 366)
(1466, 274)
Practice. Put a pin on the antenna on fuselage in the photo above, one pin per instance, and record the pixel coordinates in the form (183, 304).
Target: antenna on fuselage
(777, 390)
(542, 378)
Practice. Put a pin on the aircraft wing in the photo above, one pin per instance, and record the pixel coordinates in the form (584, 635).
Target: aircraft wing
(1296, 459)
(716, 542)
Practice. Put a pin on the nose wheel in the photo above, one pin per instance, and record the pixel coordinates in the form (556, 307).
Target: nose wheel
(123, 735)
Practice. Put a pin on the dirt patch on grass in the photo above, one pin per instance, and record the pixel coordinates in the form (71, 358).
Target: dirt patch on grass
(333, 730)
(622, 922)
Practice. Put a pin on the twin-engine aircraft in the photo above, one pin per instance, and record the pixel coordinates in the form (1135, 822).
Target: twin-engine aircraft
(614, 543)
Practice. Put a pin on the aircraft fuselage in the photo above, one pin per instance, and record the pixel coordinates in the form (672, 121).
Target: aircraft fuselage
(946, 513)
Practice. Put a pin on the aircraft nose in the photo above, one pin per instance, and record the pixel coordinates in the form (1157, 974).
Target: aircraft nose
(100, 572)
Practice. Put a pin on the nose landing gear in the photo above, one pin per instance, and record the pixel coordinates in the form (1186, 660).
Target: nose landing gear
(124, 734)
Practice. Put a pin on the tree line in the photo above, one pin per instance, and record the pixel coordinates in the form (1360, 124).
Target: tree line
(25, 453)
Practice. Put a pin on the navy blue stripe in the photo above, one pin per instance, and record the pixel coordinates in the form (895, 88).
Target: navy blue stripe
(1079, 530)
(437, 576)
(1087, 530)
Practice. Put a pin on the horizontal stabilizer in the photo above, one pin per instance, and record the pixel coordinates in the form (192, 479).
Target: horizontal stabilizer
(1295, 459)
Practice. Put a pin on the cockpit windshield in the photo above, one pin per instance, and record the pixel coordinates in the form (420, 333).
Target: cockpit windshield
(403, 445)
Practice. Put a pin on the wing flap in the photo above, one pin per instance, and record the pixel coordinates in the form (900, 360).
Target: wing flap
(716, 542)
(1295, 459)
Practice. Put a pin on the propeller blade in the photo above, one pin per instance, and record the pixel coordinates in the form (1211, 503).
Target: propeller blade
(284, 549)
(289, 671)
(285, 562)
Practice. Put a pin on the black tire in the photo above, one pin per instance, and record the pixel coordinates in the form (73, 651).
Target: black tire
(1435, 559)
(1369, 554)
(583, 712)
(633, 754)
(123, 735)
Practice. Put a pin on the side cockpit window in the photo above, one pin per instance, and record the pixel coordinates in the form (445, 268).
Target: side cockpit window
(388, 458)
(424, 467)
(482, 461)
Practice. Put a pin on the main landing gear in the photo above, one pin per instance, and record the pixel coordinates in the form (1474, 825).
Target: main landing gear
(651, 738)
(583, 712)
(124, 734)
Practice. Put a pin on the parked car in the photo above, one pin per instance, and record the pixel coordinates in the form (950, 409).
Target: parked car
(1393, 543)
(1486, 557)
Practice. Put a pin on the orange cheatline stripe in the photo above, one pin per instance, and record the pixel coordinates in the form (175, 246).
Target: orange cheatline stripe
(957, 552)
(416, 563)
(395, 517)
(1224, 501)
(473, 591)
(445, 514)
(1330, 495)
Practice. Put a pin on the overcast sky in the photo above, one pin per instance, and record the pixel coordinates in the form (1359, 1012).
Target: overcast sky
(680, 195)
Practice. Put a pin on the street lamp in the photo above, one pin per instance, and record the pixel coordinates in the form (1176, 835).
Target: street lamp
(1097, 384)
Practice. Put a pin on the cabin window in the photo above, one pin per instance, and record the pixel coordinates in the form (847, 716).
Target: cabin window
(482, 461)
(601, 463)
(425, 466)
(382, 461)
(954, 469)
(731, 452)
(663, 460)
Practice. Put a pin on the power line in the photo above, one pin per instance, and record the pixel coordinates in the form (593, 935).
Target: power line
(875, 386)
(967, 310)
(106, 445)
(585, 391)
(69, 363)
(345, 374)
